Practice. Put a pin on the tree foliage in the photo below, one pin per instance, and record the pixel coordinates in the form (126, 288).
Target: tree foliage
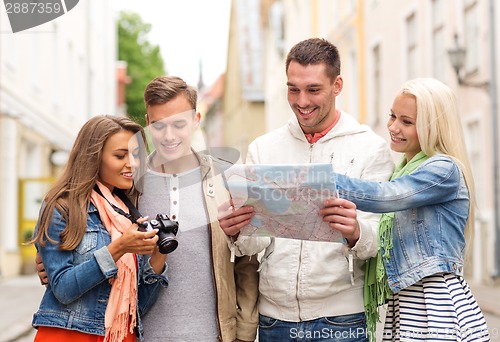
(144, 61)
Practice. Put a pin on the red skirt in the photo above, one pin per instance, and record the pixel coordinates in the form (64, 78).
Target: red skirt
(51, 334)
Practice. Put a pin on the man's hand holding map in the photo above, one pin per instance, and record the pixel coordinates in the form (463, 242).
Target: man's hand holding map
(286, 199)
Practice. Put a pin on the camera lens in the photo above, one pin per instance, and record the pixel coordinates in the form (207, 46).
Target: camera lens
(167, 245)
(167, 230)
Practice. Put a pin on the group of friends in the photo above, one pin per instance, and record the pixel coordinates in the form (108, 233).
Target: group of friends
(405, 227)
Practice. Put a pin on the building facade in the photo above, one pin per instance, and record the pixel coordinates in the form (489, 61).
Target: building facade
(53, 78)
(416, 44)
(382, 44)
(243, 99)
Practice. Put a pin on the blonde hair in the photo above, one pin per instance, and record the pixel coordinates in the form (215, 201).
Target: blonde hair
(439, 131)
(70, 195)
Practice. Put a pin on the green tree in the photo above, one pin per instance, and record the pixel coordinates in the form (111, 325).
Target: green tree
(144, 61)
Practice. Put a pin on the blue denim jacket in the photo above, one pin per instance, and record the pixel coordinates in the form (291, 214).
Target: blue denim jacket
(431, 207)
(79, 287)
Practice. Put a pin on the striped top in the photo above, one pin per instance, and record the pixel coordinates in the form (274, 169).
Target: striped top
(437, 308)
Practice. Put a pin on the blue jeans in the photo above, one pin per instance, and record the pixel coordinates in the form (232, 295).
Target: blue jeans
(347, 328)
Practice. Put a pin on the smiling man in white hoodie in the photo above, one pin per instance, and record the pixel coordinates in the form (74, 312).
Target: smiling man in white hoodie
(311, 289)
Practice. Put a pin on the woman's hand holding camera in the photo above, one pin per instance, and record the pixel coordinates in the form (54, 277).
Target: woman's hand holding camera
(133, 241)
(157, 260)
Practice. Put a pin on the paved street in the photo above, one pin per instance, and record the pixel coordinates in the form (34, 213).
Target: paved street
(20, 297)
(493, 325)
(489, 301)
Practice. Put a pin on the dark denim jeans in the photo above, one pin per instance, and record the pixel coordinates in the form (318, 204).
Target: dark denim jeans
(347, 328)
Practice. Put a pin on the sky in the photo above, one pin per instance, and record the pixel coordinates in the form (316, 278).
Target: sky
(187, 31)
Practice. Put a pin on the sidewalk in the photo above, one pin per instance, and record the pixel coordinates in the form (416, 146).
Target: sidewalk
(488, 298)
(20, 297)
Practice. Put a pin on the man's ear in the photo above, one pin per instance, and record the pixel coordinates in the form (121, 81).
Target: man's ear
(197, 118)
(338, 84)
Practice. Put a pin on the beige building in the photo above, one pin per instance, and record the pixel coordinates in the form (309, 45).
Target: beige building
(243, 99)
(53, 78)
(416, 44)
(383, 43)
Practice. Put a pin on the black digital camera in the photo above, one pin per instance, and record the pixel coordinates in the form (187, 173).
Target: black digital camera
(167, 231)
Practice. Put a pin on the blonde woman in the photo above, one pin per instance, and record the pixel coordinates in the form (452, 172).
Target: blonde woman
(427, 223)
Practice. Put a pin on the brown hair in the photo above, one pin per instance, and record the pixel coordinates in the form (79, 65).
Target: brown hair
(165, 88)
(316, 51)
(70, 195)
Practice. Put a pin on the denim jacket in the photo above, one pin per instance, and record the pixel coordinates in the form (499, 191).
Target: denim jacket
(431, 207)
(79, 288)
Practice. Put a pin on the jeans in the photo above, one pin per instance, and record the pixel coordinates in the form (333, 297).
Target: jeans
(347, 328)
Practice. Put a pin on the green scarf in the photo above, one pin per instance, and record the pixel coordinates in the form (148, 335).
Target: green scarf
(376, 289)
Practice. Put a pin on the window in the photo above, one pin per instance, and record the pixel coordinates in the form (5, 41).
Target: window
(471, 38)
(411, 46)
(277, 23)
(376, 86)
(353, 90)
(335, 13)
(438, 52)
(35, 64)
(56, 78)
(473, 132)
(352, 6)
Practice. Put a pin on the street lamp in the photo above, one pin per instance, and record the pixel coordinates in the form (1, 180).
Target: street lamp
(457, 60)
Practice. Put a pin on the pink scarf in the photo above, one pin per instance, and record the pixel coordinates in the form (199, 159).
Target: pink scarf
(121, 308)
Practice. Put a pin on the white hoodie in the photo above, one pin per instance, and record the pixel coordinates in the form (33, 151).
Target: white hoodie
(305, 280)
